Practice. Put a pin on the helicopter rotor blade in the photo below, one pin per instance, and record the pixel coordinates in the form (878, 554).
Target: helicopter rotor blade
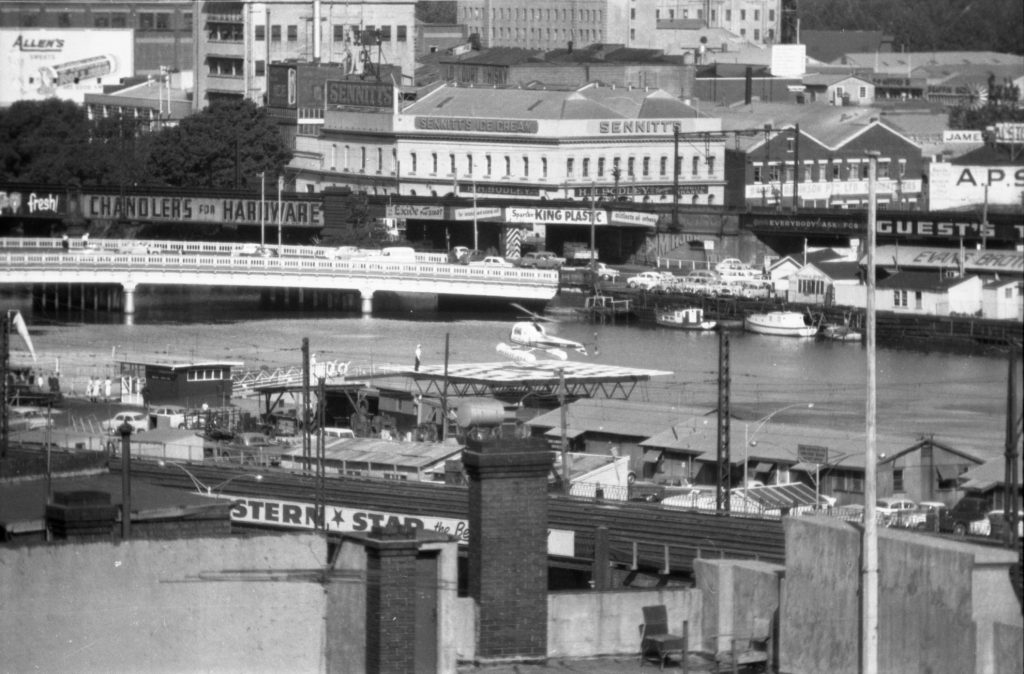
(532, 315)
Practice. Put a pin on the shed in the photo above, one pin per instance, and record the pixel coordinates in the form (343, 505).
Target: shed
(937, 293)
(155, 380)
(836, 282)
(1002, 299)
(373, 457)
(168, 444)
(928, 470)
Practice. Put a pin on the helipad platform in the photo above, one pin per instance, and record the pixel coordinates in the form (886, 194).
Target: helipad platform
(510, 380)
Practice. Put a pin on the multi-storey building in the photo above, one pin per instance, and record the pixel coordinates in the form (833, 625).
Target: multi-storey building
(758, 21)
(237, 40)
(553, 25)
(590, 142)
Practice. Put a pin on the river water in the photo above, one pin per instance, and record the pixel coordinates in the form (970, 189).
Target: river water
(959, 398)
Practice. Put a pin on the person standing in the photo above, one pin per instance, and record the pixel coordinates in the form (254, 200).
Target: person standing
(106, 388)
(418, 354)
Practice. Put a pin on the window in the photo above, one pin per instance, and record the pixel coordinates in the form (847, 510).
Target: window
(696, 164)
(380, 159)
(261, 68)
(338, 30)
(757, 34)
(526, 167)
(663, 168)
(451, 163)
(632, 13)
(728, 15)
(544, 167)
(862, 92)
(836, 167)
(600, 167)
(118, 20)
(758, 173)
(865, 168)
(743, 15)
(586, 167)
(63, 20)
(362, 160)
(899, 298)
(146, 21)
(261, 33)
(433, 163)
(487, 160)
(883, 169)
(903, 167)
(207, 374)
(897, 479)
(163, 21)
(412, 162)
(811, 286)
(293, 33)
(570, 165)
(631, 167)
(771, 15)
(711, 165)
(757, 15)
(385, 33)
(918, 300)
(401, 33)
(469, 164)
(743, 32)
(774, 173)
(508, 166)
(275, 33)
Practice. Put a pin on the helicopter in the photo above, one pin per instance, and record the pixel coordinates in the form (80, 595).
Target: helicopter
(532, 335)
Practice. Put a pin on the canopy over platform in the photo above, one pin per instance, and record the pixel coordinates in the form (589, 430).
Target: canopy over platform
(509, 380)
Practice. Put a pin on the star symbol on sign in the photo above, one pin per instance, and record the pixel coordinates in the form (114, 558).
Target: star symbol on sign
(337, 519)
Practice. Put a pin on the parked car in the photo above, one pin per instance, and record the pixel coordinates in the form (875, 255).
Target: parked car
(541, 260)
(468, 256)
(28, 418)
(959, 518)
(139, 421)
(606, 273)
(248, 448)
(699, 282)
(168, 416)
(492, 261)
(893, 508)
(647, 280)
(997, 525)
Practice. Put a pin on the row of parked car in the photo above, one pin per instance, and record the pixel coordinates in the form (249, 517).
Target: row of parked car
(970, 515)
(701, 282)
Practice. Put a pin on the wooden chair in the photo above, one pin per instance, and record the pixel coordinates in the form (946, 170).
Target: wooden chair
(655, 639)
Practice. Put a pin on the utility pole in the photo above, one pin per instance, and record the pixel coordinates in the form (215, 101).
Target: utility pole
(565, 440)
(263, 207)
(675, 177)
(1014, 428)
(869, 626)
(724, 483)
(305, 404)
(5, 359)
(796, 168)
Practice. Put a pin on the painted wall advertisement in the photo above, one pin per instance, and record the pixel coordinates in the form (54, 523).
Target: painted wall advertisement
(41, 63)
(32, 203)
(556, 216)
(300, 515)
(225, 211)
(954, 186)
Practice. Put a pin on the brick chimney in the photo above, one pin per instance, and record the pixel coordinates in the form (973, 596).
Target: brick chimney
(391, 600)
(508, 532)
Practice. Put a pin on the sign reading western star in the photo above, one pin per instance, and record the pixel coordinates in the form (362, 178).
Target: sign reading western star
(300, 515)
(556, 216)
(201, 209)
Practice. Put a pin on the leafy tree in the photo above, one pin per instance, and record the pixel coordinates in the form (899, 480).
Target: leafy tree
(925, 25)
(983, 117)
(45, 142)
(229, 143)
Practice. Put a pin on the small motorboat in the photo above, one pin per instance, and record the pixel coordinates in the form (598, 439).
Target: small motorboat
(782, 323)
(841, 333)
(689, 318)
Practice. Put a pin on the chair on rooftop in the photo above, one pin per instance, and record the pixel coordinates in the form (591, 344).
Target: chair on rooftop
(655, 638)
(755, 649)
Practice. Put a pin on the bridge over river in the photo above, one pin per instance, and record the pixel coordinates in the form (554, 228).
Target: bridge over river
(81, 272)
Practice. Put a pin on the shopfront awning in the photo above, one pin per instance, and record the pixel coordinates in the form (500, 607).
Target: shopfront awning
(652, 455)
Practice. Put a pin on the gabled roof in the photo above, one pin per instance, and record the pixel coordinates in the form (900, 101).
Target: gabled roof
(828, 79)
(842, 270)
(823, 255)
(828, 125)
(829, 45)
(902, 61)
(921, 280)
(931, 442)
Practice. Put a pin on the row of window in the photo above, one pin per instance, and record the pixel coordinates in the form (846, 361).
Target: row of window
(369, 34)
(586, 35)
(826, 171)
(534, 14)
(629, 170)
(900, 299)
(143, 21)
(208, 374)
(685, 14)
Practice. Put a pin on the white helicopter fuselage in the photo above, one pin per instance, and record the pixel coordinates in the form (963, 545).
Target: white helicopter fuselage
(533, 335)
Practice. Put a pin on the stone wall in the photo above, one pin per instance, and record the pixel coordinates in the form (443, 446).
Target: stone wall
(224, 605)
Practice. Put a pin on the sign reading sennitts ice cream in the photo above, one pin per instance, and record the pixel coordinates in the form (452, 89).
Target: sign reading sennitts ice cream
(36, 64)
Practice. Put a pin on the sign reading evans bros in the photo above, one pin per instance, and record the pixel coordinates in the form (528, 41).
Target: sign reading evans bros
(359, 94)
(201, 209)
(299, 515)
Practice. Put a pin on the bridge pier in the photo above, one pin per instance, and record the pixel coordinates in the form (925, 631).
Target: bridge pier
(128, 290)
(366, 301)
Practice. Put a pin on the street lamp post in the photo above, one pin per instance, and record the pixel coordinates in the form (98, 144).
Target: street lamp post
(263, 205)
(749, 438)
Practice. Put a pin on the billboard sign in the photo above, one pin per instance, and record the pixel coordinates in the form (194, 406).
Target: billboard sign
(36, 64)
(226, 211)
(956, 186)
(32, 203)
(556, 216)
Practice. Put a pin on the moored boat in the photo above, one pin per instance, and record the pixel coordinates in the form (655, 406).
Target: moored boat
(782, 323)
(688, 318)
(841, 333)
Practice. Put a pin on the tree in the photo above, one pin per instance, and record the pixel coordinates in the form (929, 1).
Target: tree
(45, 142)
(226, 145)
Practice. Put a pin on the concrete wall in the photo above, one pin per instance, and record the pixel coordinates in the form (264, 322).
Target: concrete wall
(736, 593)
(585, 624)
(944, 605)
(164, 606)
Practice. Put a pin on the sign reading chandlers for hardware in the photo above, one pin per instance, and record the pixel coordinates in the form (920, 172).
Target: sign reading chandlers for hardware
(556, 216)
(300, 515)
(201, 209)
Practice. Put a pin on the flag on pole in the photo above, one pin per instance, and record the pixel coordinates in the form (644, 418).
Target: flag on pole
(19, 325)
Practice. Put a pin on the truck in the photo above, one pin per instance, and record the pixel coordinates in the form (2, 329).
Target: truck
(959, 518)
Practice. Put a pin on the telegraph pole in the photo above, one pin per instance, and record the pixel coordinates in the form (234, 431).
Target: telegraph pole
(724, 483)
(869, 626)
